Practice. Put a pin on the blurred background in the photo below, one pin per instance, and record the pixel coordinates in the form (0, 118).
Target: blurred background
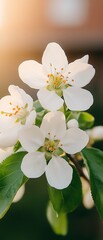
(26, 27)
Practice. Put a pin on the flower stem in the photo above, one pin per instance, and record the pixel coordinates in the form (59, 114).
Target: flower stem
(77, 165)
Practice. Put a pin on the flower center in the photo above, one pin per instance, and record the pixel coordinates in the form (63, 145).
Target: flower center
(20, 113)
(51, 145)
(56, 80)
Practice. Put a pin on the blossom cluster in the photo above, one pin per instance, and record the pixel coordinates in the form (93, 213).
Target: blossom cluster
(60, 89)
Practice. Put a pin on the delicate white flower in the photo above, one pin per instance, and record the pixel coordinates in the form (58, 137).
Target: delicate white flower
(16, 110)
(58, 80)
(96, 133)
(47, 141)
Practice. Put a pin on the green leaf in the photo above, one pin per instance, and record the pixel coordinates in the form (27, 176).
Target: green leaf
(17, 146)
(37, 106)
(66, 200)
(86, 120)
(40, 112)
(39, 117)
(94, 161)
(59, 223)
(11, 179)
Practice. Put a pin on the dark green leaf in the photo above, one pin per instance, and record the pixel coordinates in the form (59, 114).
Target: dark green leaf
(59, 223)
(68, 199)
(86, 120)
(94, 160)
(11, 178)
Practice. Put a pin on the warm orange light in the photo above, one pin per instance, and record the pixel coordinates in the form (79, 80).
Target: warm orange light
(1, 13)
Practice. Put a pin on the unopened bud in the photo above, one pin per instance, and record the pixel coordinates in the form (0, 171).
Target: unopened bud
(96, 133)
(72, 123)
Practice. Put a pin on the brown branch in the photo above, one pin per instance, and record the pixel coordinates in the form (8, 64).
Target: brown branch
(77, 165)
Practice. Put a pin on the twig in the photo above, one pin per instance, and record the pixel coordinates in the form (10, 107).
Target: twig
(77, 165)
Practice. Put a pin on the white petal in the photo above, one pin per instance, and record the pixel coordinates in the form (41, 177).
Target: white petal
(96, 133)
(4, 153)
(5, 103)
(19, 194)
(19, 96)
(53, 125)
(33, 165)
(9, 137)
(88, 200)
(77, 99)
(59, 173)
(72, 123)
(32, 74)
(30, 120)
(74, 140)
(84, 59)
(6, 121)
(49, 99)
(31, 138)
(80, 74)
(54, 57)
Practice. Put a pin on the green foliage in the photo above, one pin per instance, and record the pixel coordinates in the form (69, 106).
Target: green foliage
(94, 161)
(66, 200)
(40, 112)
(59, 223)
(37, 106)
(39, 117)
(85, 120)
(17, 146)
(11, 179)
(71, 115)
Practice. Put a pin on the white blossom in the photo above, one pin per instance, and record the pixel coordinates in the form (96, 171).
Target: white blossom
(16, 110)
(47, 141)
(59, 81)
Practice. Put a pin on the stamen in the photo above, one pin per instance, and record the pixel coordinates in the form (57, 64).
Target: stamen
(56, 79)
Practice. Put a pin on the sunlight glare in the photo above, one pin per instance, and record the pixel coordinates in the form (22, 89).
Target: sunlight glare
(1, 13)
